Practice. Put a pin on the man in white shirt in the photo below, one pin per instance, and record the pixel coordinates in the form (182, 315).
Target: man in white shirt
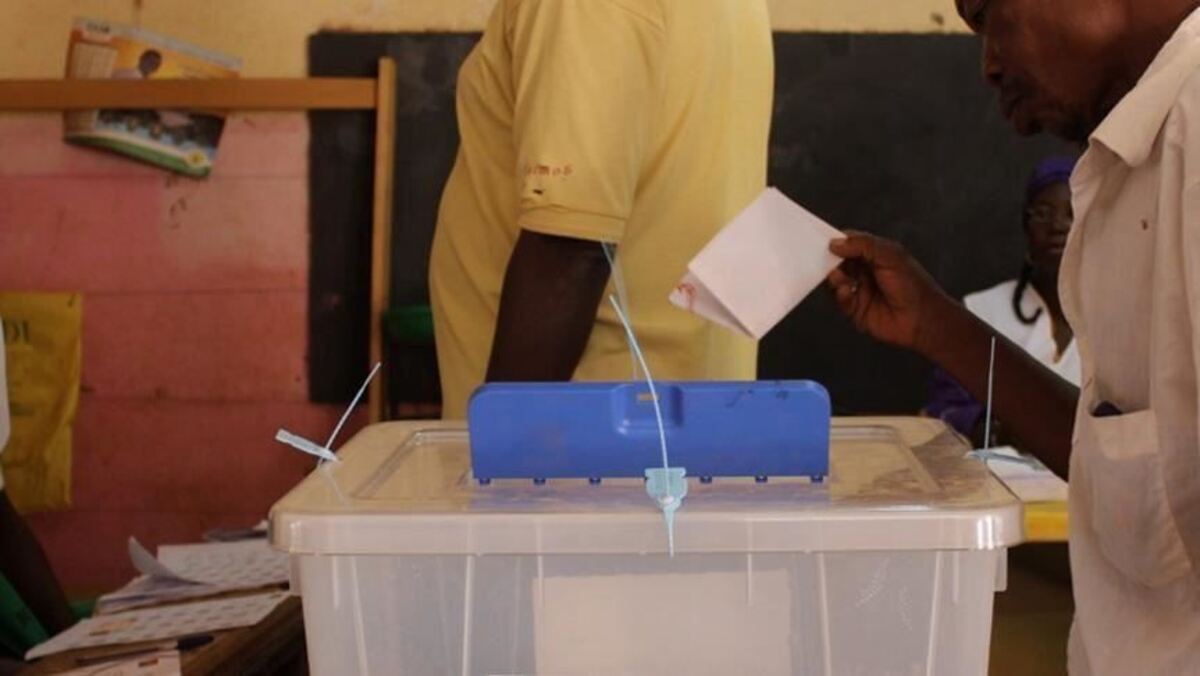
(1124, 76)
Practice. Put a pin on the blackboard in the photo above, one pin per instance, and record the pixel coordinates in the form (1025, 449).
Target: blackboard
(896, 135)
(893, 134)
(341, 157)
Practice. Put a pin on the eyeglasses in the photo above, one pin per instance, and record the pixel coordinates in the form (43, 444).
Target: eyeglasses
(1044, 214)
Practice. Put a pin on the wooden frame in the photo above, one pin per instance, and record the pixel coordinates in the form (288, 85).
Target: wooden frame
(381, 230)
(378, 94)
(328, 93)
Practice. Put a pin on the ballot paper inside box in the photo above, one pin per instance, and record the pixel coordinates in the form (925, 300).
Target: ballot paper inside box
(406, 563)
(759, 267)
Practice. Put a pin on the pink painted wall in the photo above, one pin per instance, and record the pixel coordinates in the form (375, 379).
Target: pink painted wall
(194, 330)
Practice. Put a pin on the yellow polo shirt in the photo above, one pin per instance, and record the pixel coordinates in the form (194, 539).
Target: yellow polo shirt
(639, 122)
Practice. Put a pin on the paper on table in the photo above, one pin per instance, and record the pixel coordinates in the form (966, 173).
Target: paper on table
(147, 564)
(154, 624)
(1030, 484)
(239, 565)
(196, 570)
(759, 267)
(148, 590)
(242, 564)
(163, 663)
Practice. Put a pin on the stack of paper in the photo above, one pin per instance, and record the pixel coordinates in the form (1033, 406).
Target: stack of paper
(1028, 479)
(194, 571)
(154, 624)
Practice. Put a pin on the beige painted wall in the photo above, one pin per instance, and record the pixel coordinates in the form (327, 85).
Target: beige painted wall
(269, 35)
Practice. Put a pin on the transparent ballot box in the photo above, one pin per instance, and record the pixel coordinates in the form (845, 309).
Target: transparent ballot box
(407, 565)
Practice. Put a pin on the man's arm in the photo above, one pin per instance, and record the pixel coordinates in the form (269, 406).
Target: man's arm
(552, 288)
(889, 296)
(24, 564)
(586, 78)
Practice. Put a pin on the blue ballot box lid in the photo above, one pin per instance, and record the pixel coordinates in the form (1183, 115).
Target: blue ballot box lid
(600, 431)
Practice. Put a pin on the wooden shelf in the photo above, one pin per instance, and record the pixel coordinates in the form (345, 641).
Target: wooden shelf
(233, 94)
(250, 94)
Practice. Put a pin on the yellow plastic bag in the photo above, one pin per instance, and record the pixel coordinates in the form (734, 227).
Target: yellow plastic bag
(43, 344)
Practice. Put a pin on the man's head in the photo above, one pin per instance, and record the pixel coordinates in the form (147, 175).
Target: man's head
(1060, 66)
(149, 62)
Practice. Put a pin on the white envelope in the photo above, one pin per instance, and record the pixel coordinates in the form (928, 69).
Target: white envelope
(759, 267)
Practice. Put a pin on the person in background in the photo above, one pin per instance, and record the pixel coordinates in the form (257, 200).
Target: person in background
(642, 124)
(1124, 78)
(23, 563)
(1025, 310)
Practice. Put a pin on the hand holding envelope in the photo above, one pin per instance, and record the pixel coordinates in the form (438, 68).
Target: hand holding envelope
(759, 267)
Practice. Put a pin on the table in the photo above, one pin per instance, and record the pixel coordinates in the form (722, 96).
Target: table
(272, 647)
(1046, 522)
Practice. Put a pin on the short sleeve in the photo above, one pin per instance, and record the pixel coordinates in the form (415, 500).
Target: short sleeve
(586, 84)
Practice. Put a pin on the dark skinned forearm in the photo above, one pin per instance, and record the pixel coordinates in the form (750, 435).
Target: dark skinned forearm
(1035, 405)
(552, 289)
(24, 564)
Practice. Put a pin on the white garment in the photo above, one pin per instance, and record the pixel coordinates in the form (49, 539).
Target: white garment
(5, 426)
(1130, 287)
(995, 307)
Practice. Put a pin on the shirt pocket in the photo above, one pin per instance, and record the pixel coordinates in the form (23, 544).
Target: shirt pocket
(1131, 517)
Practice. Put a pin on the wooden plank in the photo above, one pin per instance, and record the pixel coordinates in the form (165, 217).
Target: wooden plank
(273, 646)
(381, 228)
(230, 94)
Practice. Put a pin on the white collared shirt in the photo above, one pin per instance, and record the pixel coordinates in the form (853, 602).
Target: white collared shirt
(995, 306)
(1130, 287)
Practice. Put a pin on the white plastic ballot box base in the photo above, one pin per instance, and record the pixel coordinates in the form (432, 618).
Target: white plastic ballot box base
(406, 566)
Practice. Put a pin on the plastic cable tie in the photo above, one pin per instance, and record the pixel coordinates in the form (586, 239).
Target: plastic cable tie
(325, 453)
(667, 486)
(354, 402)
(986, 453)
(619, 283)
(305, 446)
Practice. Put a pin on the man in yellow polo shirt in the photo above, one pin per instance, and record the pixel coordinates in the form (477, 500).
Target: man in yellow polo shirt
(639, 123)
